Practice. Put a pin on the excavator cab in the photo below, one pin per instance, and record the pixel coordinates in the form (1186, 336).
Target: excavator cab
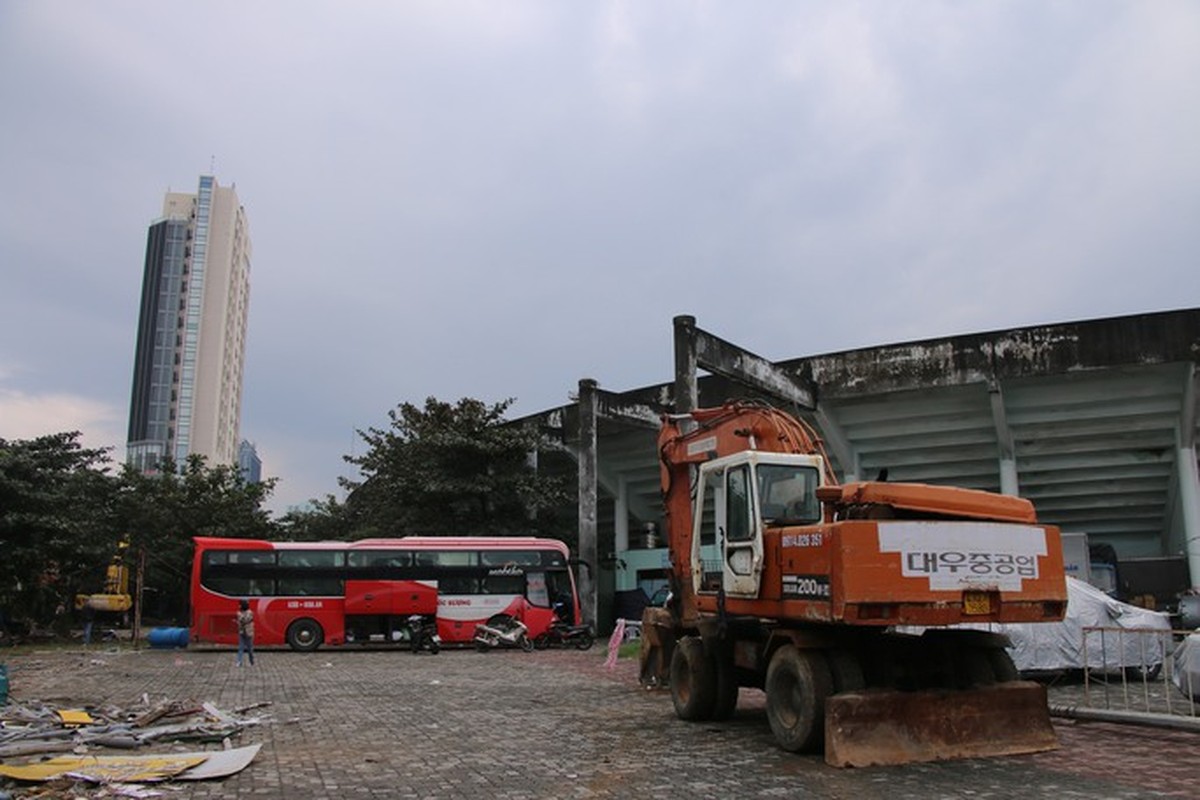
(738, 497)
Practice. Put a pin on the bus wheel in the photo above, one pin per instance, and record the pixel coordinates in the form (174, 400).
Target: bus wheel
(693, 684)
(797, 685)
(305, 635)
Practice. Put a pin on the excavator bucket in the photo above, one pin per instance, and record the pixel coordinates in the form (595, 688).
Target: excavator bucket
(889, 727)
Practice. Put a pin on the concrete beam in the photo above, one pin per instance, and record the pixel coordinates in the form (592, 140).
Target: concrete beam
(614, 407)
(1040, 350)
(720, 357)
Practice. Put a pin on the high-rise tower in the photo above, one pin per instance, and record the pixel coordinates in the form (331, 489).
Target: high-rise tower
(191, 339)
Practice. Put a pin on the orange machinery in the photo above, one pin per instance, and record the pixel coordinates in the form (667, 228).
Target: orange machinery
(838, 600)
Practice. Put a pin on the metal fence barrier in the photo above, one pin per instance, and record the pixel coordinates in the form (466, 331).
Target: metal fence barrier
(1129, 675)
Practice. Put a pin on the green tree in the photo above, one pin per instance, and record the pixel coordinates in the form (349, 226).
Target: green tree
(323, 520)
(57, 526)
(161, 512)
(453, 470)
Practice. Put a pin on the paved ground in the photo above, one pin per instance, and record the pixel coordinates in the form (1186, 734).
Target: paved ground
(389, 724)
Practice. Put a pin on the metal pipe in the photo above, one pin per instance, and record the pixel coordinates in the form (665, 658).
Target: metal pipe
(1127, 717)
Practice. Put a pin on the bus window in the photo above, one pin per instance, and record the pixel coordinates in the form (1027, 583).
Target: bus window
(537, 592)
(523, 558)
(311, 558)
(457, 584)
(240, 587)
(214, 558)
(260, 587)
(447, 558)
(306, 587)
(251, 557)
(379, 558)
(504, 584)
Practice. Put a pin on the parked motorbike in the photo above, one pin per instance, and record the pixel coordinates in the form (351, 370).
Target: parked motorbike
(423, 635)
(581, 637)
(502, 631)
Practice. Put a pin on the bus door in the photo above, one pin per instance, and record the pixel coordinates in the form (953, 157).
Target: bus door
(391, 598)
(380, 583)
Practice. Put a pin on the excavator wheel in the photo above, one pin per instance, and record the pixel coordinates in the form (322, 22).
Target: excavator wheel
(1002, 665)
(725, 684)
(846, 671)
(974, 668)
(693, 682)
(798, 683)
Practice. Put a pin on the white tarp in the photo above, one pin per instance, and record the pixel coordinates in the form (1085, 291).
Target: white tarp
(1136, 637)
(1186, 675)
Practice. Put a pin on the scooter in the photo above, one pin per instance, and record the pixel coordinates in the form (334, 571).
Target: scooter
(422, 634)
(581, 637)
(502, 631)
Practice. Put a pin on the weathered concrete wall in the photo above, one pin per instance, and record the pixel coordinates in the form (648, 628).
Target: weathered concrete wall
(1161, 338)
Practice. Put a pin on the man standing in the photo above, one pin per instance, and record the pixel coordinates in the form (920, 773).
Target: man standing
(89, 620)
(245, 628)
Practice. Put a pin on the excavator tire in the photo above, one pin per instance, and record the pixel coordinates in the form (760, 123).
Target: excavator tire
(846, 670)
(725, 684)
(798, 684)
(693, 682)
(1002, 665)
(975, 668)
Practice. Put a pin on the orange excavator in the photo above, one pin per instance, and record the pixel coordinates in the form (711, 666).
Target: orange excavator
(838, 601)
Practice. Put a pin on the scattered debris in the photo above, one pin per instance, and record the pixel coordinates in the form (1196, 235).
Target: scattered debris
(63, 746)
(73, 717)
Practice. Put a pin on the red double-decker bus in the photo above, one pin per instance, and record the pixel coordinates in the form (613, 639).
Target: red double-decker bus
(305, 594)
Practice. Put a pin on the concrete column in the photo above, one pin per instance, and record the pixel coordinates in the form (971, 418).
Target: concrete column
(854, 469)
(588, 499)
(621, 533)
(1004, 441)
(686, 387)
(1008, 477)
(531, 460)
(1189, 499)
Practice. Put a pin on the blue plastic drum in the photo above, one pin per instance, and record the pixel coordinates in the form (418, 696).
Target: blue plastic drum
(167, 638)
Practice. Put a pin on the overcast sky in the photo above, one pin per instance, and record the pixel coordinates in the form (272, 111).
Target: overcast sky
(496, 199)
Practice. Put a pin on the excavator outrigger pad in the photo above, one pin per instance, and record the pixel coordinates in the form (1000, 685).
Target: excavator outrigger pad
(891, 727)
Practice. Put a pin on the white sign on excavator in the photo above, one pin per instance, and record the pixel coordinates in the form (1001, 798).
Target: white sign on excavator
(956, 555)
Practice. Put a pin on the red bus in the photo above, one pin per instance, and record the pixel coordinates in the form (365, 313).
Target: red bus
(305, 594)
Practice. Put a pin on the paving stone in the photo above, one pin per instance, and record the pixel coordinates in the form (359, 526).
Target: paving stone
(552, 724)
